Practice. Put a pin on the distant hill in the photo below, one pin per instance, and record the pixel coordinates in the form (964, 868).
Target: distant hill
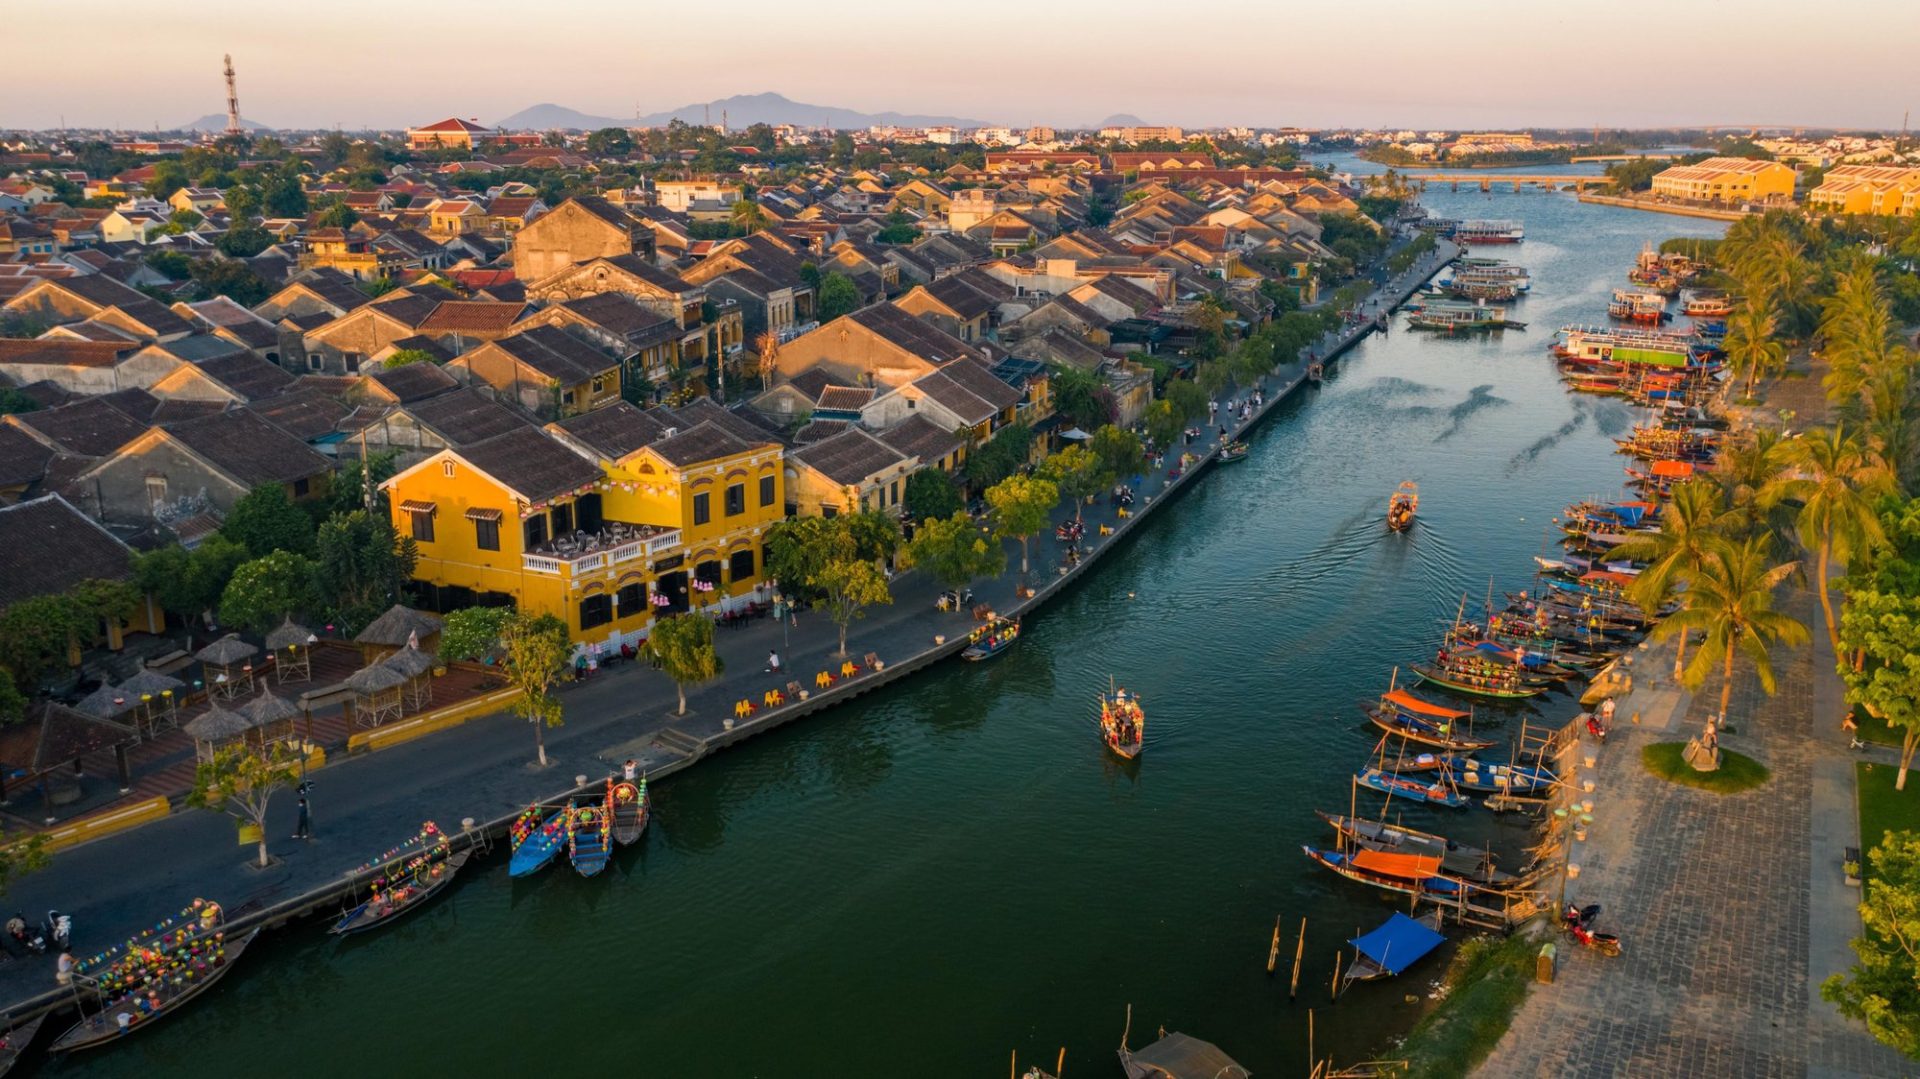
(217, 121)
(1121, 119)
(740, 111)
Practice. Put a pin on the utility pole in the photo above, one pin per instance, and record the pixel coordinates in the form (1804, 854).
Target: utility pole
(233, 99)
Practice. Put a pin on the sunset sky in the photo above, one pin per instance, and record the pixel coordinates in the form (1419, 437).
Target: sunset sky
(1459, 63)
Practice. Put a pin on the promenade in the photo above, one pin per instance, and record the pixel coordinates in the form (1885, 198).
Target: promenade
(483, 770)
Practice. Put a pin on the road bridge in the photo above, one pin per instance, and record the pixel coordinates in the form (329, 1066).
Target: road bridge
(1518, 182)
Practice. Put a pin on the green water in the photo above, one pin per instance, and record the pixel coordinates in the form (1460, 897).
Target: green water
(952, 869)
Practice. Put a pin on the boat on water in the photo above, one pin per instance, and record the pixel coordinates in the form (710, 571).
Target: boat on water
(1233, 451)
(1402, 505)
(406, 880)
(16, 1041)
(1406, 874)
(1707, 305)
(1123, 723)
(990, 638)
(1504, 687)
(1497, 778)
(1316, 373)
(630, 810)
(536, 839)
(152, 981)
(1177, 1056)
(1456, 859)
(1397, 944)
(1458, 317)
(1489, 232)
(1402, 713)
(590, 834)
(1630, 305)
(1433, 792)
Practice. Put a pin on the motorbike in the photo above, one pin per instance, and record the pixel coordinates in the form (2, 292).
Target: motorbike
(954, 600)
(1596, 727)
(59, 930)
(1578, 922)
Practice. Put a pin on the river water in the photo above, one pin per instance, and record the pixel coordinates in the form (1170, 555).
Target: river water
(950, 870)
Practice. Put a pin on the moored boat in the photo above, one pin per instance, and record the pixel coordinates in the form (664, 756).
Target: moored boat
(1708, 305)
(1497, 778)
(1233, 451)
(1123, 723)
(407, 879)
(1457, 859)
(1501, 687)
(17, 1039)
(590, 835)
(631, 809)
(1434, 792)
(1489, 232)
(990, 638)
(1416, 720)
(151, 981)
(1634, 306)
(536, 841)
(1397, 944)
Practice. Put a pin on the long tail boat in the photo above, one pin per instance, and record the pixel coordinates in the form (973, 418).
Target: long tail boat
(1502, 688)
(590, 835)
(630, 811)
(16, 1040)
(408, 879)
(151, 982)
(1402, 505)
(1398, 944)
(1469, 774)
(990, 638)
(1433, 792)
(1456, 859)
(1402, 713)
(1407, 874)
(1123, 724)
(536, 840)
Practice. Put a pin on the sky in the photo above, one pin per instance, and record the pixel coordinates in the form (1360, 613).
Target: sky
(1458, 64)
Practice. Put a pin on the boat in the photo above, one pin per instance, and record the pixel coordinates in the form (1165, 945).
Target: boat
(1406, 715)
(1461, 318)
(1478, 685)
(1469, 863)
(1177, 1056)
(631, 809)
(1407, 874)
(1630, 305)
(1397, 944)
(990, 638)
(1436, 792)
(1233, 451)
(16, 1041)
(1402, 505)
(1316, 373)
(590, 834)
(1489, 232)
(536, 841)
(1494, 778)
(1707, 305)
(407, 879)
(1123, 723)
(151, 982)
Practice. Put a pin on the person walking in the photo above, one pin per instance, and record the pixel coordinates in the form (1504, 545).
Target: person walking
(303, 825)
(773, 662)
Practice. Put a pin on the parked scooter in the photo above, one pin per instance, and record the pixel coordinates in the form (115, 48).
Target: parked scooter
(954, 600)
(1578, 922)
(1596, 727)
(59, 930)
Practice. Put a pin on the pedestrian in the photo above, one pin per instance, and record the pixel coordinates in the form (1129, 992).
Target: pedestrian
(303, 825)
(1606, 710)
(63, 969)
(773, 663)
(629, 770)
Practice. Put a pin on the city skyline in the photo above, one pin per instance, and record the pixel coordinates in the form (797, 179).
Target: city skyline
(1577, 65)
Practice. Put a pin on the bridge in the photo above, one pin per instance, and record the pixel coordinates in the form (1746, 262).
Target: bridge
(1518, 182)
(1625, 157)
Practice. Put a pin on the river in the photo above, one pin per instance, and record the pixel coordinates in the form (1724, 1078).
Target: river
(952, 869)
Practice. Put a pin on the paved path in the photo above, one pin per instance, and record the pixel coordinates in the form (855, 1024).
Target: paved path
(483, 769)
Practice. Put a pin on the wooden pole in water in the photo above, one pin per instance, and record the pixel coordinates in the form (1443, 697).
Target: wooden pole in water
(1312, 1060)
(1013, 1064)
(1273, 950)
(1333, 988)
(1299, 951)
(1060, 1063)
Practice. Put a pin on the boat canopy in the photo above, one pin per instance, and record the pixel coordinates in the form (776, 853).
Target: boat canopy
(1627, 513)
(1182, 1056)
(1673, 470)
(1601, 576)
(1398, 944)
(1411, 703)
(1404, 866)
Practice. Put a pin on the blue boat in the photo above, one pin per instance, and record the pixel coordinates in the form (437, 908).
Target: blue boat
(590, 836)
(532, 851)
(990, 638)
(1469, 774)
(1433, 793)
(1398, 944)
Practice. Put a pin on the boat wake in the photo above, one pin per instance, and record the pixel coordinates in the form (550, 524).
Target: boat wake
(1479, 397)
(1550, 439)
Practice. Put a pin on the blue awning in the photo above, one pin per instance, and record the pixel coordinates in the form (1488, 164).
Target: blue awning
(1396, 945)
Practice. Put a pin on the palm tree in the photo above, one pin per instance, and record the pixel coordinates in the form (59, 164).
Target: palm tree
(1730, 603)
(1750, 346)
(748, 215)
(1857, 323)
(1674, 554)
(1748, 472)
(1891, 409)
(1835, 477)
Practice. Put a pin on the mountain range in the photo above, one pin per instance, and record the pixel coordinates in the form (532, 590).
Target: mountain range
(739, 110)
(217, 121)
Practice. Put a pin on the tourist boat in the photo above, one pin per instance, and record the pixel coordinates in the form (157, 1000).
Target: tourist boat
(1489, 232)
(630, 811)
(1504, 687)
(990, 638)
(408, 878)
(1461, 318)
(1456, 859)
(1402, 505)
(1628, 305)
(1659, 477)
(536, 841)
(1434, 792)
(1123, 724)
(1416, 720)
(17, 1039)
(590, 834)
(1397, 944)
(1481, 265)
(1407, 874)
(1316, 373)
(155, 980)
(1233, 451)
(1708, 305)
(1472, 775)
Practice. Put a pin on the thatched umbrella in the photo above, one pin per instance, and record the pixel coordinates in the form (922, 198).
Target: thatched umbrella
(215, 729)
(417, 666)
(272, 716)
(376, 693)
(107, 702)
(400, 627)
(225, 654)
(158, 697)
(292, 648)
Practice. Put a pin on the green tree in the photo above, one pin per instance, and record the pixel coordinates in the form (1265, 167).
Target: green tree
(1879, 629)
(931, 493)
(357, 478)
(1883, 988)
(268, 589)
(610, 142)
(241, 780)
(871, 535)
(186, 583)
(13, 709)
(361, 566)
(1078, 473)
(1730, 604)
(1213, 376)
(797, 548)
(1163, 424)
(1189, 401)
(1020, 506)
(244, 241)
(1082, 398)
(1752, 351)
(471, 634)
(336, 215)
(406, 356)
(1836, 479)
(1857, 323)
(168, 177)
(235, 280)
(1120, 452)
(846, 587)
(534, 650)
(838, 296)
(953, 550)
(1004, 453)
(747, 216)
(683, 647)
(283, 194)
(13, 402)
(266, 520)
(18, 857)
(1674, 554)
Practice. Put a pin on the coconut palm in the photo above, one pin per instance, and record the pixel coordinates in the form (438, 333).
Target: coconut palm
(1857, 323)
(1730, 604)
(1893, 416)
(1752, 351)
(1748, 473)
(748, 215)
(1690, 521)
(1834, 477)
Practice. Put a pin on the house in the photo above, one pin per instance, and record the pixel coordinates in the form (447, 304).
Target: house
(846, 473)
(313, 291)
(545, 370)
(648, 344)
(199, 200)
(47, 547)
(98, 298)
(458, 325)
(425, 423)
(764, 275)
(452, 133)
(234, 377)
(1726, 180)
(212, 460)
(580, 229)
(877, 345)
(79, 366)
(953, 305)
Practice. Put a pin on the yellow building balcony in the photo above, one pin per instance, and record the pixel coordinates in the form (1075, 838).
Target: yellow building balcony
(580, 555)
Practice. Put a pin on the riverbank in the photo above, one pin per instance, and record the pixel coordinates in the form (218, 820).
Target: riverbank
(479, 771)
(1657, 206)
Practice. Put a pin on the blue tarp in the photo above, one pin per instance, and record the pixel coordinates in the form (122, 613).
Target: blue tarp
(1398, 944)
(1627, 515)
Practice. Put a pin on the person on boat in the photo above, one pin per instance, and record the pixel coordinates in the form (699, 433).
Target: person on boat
(629, 769)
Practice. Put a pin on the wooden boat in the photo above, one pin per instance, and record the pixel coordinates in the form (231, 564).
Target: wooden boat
(1176, 1056)
(1316, 373)
(1398, 944)
(407, 881)
(590, 835)
(990, 638)
(1469, 863)
(145, 1004)
(1123, 723)
(1708, 305)
(1472, 775)
(1406, 874)
(1233, 451)
(1506, 689)
(1436, 792)
(631, 809)
(1402, 713)
(1402, 505)
(537, 844)
(17, 1040)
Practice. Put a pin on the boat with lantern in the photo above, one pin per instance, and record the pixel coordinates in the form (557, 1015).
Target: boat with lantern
(991, 637)
(153, 975)
(590, 833)
(536, 837)
(631, 809)
(406, 879)
(1402, 505)
(1123, 723)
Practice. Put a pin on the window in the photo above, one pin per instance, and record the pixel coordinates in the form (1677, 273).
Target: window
(446, 468)
(315, 361)
(599, 385)
(736, 499)
(353, 361)
(631, 600)
(156, 491)
(486, 534)
(893, 492)
(766, 491)
(301, 488)
(596, 611)
(534, 531)
(740, 565)
(422, 525)
(702, 510)
(562, 519)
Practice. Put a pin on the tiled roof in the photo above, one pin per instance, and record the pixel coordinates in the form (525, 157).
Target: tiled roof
(247, 375)
(22, 458)
(88, 427)
(918, 436)
(616, 430)
(63, 352)
(845, 398)
(413, 381)
(47, 547)
(848, 457)
(553, 353)
(819, 431)
(305, 414)
(959, 296)
(701, 442)
(472, 316)
(466, 416)
(703, 410)
(248, 448)
(913, 335)
(620, 315)
(531, 463)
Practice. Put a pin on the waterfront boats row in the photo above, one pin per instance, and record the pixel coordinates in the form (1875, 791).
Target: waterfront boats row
(587, 828)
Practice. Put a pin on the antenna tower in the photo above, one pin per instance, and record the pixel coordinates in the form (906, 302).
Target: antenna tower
(233, 100)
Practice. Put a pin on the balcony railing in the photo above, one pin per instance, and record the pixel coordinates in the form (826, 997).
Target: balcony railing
(566, 558)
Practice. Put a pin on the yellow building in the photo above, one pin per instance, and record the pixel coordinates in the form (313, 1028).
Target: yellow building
(1726, 179)
(603, 520)
(1866, 189)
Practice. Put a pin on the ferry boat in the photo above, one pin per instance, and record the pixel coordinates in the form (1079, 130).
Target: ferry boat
(1477, 265)
(1631, 305)
(1489, 232)
(1708, 305)
(1123, 725)
(1589, 346)
(1402, 505)
(1461, 318)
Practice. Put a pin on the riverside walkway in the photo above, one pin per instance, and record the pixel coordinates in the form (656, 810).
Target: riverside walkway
(483, 771)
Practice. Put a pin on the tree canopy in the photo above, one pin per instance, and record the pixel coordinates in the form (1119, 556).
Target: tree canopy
(1883, 988)
(1021, 505)
(954, 552)
(683, 647)
(534, 651)
(266, 520)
